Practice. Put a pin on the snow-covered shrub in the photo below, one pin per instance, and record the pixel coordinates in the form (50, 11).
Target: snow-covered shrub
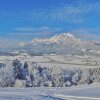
(47, 84)
(20, 83)
(67, 84)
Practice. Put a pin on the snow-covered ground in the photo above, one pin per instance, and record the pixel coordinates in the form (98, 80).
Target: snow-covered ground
(60, 61)
(26, 94)
(86, 92)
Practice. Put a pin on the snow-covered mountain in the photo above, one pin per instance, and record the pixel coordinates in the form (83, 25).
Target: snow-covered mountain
(55, 39)
(64, 42)
(59, 39)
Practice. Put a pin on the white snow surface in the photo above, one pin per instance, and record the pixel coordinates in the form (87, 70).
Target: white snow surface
(87, 92)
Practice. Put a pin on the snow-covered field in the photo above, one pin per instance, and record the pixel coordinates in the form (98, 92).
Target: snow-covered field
(59, 61)
(86, 92)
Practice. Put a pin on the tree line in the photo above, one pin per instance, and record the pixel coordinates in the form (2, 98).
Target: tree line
(31, 74)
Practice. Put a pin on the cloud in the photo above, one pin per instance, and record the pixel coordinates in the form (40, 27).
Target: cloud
(36, 29)
(87, 34)
(66, 13)
(28, 33)
(71, 13)
(24, 29)
(32, 29)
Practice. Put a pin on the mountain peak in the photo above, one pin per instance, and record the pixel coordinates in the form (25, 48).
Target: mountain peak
(56, 38)
(69, 35)
(62, 36)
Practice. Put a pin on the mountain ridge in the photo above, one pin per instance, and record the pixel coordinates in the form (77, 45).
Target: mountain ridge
(64, 40)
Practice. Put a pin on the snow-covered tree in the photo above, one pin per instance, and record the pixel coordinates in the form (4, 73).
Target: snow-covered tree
(17, 69)
(76, 78)
(7, 78)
